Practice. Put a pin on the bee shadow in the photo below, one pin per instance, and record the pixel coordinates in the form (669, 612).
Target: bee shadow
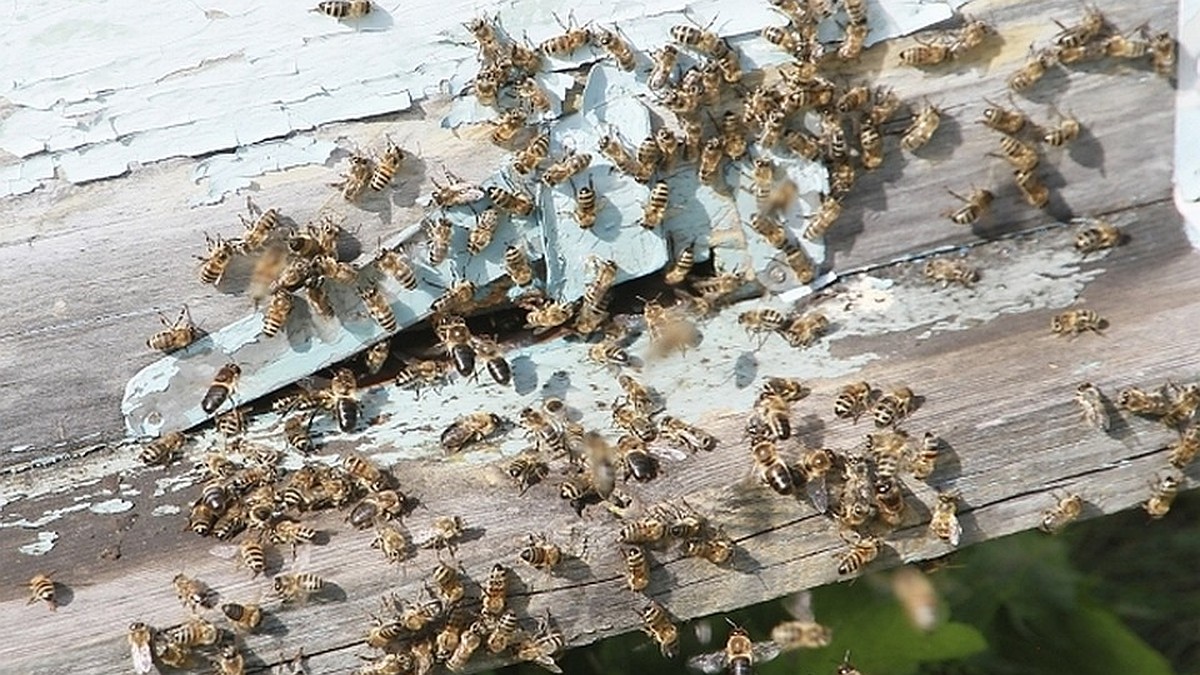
(743, 562)
(330, 592)
(1057, 207)
(945, 141)
(63, 594)
(1087, 151)
(1056, 82)
(745, 369)
(949, 462)
(407, 185)
(272, 625)
(557, 385)
(524, 375)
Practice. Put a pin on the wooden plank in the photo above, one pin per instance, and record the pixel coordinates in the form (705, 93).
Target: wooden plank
(1000, 395)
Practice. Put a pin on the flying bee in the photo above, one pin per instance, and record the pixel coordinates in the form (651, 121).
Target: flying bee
(893, 407)
(655, 208)
(853, 42)
(163, 449)
(1021, 156)
(41, 589)
(1162, 53)
(924, 123)
(540, 553)
(222, 385)
(468, 429)
(975, 206)
(503, 633)
(493, 359)
(656, 622)
(455, 339)
(296, 587)
(564, 169)
(802, 331)
(922, 463)
(344, 9)
(1005, 120)
(529, 91)
(684, 434)
(925, 54)
(567, 43)
(1182, 452)
(944, 523)
(506, 127)
(1075, 321)
(771, 470)
(947, 271)
(139, 648)
(771, 417)
(177, 335)
(216, 259)
(803, 631)
(862, 551)
(1067, 130)
(1162, 494)
(1092, 402)
(1033, 190)
(617, 48)
(669, 330)
(738, 657)
(1099, 234)
(528, 159)
(245, 617)
(192, 593)
(1067, 510)
(1034, 69)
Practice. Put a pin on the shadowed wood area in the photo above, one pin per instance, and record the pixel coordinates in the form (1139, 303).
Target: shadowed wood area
(86, 273)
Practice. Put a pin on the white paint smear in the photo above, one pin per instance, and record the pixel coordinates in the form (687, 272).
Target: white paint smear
(111, 506)
(229, 172)
(165, 510)
(45, 542)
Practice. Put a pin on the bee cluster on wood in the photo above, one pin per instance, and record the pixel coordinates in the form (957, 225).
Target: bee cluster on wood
(722, 126)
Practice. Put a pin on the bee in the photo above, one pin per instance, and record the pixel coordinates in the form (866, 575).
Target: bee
(608, 352)
(925, 54)
(680, 267)
(532, 154)
(201, 519)
(637, 568)
(161, 450)
(949, 271)
(468, 429)
(524, 57)
(446, 531)
(696, 38)
(664, 60)
(457, 296)
(455, 191)
(833, 135)
(503, 633)
(542, 647)
(656, 622)
(733, 135)
(637, 394)
(546, 315)
(484, 33)
(717, 548)
(386, 167)
(1005, 120)
(495, 590)
(1184, 407)
(244, 617)
(975, 206)
(579, 491)
(253, 555)
(538, 99)
(564, 169)
(585, 205)
(893, 407)
(771, 417)
(222, 384)
(192, 593)
(645, 160)
(230, 661)
(885, 104)
(729, 64)
(862, 551)
(853, 42)
(539, 553)
(801, 143)
(391, 542)
(669, 331)
(1183, 451)
(668, 146)
(342, 399)
(803, 632)
(799, 262)
(455, 339)
(1162, 494)
(783, 37)
(871, 143)
(397, 265)
(448, 584)
(841, 178)
(1088, 27)
(888, 448)
(1162, 53)
(1033, 190)
(617, 48)
(889, 499)
(296, 432)
(216, 259)
(1064, 512)
(1140, 402)
(567, 43)
(639, 463)
(296, 587)
(195, 632)
(1092, 402)
(1034, 69)
(41, 588)
(970, 36)
(378, 307)
(648, 530)
(803, 330)
(612, 148)
(772, 470)
(344, 9)
(288, 531)
(710, 160)
(358, 176)
(504, 129)
(1098, 235)
(820, 222)
(922, 464)
(944, 523)
(139, 648)
(921, 130)
(364, 472)
(1020, 155)
(687, 435)
(277, 313)
(173, 654)
(1067, 130)
(770, 229)
(1075, 321)
(629, 417)
(493, 359)
(177, 335)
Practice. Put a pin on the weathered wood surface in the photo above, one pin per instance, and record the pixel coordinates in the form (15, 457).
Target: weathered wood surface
(101, 257)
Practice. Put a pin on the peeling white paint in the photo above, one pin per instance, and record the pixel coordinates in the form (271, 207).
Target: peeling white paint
(173, 484)
(45, 542)
(229, 172)
(165, 510)
(111, 506)
(21, 448)
(46, 517)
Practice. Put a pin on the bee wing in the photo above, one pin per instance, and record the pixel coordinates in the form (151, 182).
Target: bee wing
(818, 494)
(765, 651)
(710, 663)
(663, 450)
(955, 531)
(143, 663)
(548, 663)
(799, 605)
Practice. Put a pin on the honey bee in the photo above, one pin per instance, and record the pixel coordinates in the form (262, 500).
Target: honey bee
(355, 180)
(222, 385)
(291, 532)
(803, 632)
(800, 143)
(607, 352)
(1183, 451)
(772, 470)
(195, 632)
(738, 657)
(201, 519)
(546, 315)
(664, 60)
(139, 648)
(1064, 512)
(853, 42)
(503, 633)
(243, 617)
(669, 331)
(1184, 407)
(921, 130)
(216, 259)
(455, 339)
(386, 167)
(802, 331)
(296, 587)
(493, 359)
(495, 590)
(684, 434)
(542, 647)
(862, 551)
(889, 499)
(770, 419)
(1033, 190)
(1020, 155)
(647, 530)
(230, 661)
(1067, 130)
(1140, 402)
(296, 432)
(1092, 402)
(364, 472)
(699, 39)
(1162, 53)
(1099, 234)
(41, 588)
(564, 169)
(710, 160)
(944, 523)
(680, 267)
(799, 262)
(1075, 321)
(529, 91)
(871, 143)
(253, 555)
(504, 129)
(532, 154)
(446, 531)
(177, 335)
(975, 206)
(617, 48)
(925, 54)
(163, 449)
(1005, 120)
(1034, 69)
(378, 307)
(396, 264)
(637, 568)
(841, 178)
(540, 553)
(1088, 28)
(468, 429)
(971, 35)
(344, 9)
(1162, 494)
(456, 191)
(893, 407)
(921, 465)
(853, 400)
(192, 593)
(342, 399)
(612, 148)
(448, 584)
(391, 542)
(484, 32)
(646, 159)
(567, 43)
(629, 417)
(770, 229)
(656, 622)
(949, 271)
(277, 313)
